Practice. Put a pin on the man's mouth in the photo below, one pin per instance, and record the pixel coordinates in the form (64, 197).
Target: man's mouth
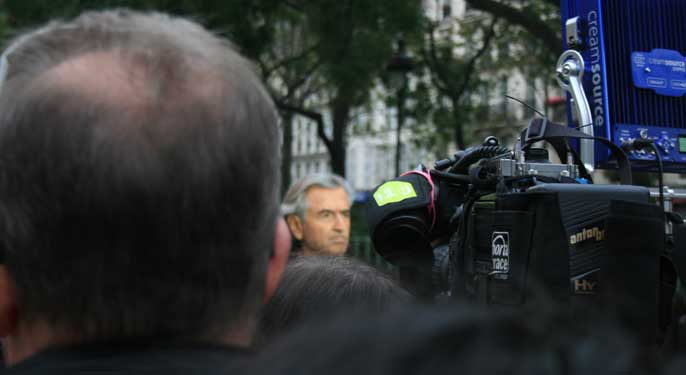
(339, 240)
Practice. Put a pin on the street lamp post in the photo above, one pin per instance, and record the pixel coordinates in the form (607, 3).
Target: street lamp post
(399, 65)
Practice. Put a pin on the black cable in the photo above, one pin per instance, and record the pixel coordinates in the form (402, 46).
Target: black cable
(660, 172)
(452, 177)
(638, 144)
(474, 155)
(527, 105)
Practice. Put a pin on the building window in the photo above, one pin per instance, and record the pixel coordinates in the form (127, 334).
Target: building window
(306, 149)
(446, 9)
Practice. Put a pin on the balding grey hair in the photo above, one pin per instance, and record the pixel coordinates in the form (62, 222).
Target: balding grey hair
(184, 176)
(133, 36)
(294, 201)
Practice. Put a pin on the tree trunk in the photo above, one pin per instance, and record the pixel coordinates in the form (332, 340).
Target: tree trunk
(341, 114)
(286, 150)
(459, 129)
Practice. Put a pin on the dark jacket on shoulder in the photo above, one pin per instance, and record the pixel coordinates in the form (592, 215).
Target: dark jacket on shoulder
(135, 358)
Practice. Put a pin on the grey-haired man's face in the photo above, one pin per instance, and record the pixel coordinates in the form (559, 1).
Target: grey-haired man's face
(326, 227)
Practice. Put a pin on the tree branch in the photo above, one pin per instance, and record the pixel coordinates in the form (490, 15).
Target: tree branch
(304, 77)
(314, 116)
(554, 3)
(312, 87)
(469, 68)
(534, 25)
(263, 69)
(291, 59)
(438, 76)
(348, 37)
(294, 6)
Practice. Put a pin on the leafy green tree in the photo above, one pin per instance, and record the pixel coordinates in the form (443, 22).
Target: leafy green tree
(463, 60)
(454, 75)
(356, 38)
(539, 18)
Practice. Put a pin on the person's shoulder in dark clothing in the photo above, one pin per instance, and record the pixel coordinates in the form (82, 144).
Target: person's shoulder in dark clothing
(137, 358)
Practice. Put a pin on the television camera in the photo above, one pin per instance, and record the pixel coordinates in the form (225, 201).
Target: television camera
(502, 226)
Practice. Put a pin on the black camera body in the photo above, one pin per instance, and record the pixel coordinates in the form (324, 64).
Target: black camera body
(518, 227)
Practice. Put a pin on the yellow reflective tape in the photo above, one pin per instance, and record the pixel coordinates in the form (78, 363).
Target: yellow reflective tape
(393, 192)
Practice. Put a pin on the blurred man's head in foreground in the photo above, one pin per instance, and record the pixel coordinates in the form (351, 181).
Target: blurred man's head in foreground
(139, 184)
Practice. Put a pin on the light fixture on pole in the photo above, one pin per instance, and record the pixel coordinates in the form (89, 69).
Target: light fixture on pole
(398, 67)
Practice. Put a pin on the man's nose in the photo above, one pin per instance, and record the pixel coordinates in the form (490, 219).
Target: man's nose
(340, 222)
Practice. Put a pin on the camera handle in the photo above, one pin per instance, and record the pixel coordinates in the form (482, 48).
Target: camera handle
(570, 71)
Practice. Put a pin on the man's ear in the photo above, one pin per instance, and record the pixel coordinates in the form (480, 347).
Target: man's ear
(8, 302)
(296, 226)
(278, 259)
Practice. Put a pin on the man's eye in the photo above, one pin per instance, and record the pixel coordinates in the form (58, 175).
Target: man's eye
(325, 215)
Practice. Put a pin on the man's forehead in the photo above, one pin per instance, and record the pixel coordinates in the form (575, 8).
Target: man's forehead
(321, 197)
